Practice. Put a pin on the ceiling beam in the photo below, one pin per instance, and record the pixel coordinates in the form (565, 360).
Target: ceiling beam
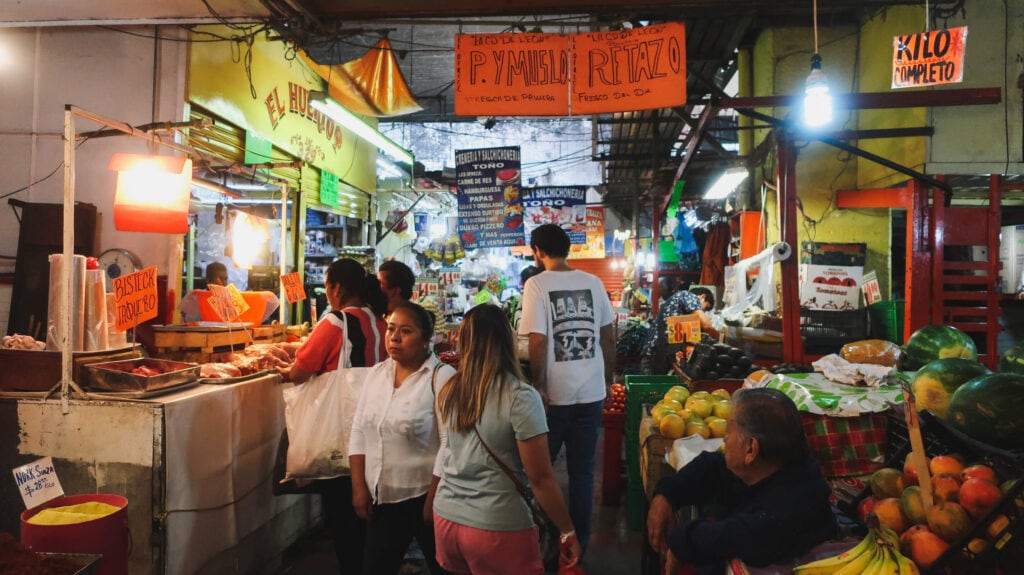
(878, 100)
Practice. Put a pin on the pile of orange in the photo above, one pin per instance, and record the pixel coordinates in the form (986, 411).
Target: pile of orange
(682, 414)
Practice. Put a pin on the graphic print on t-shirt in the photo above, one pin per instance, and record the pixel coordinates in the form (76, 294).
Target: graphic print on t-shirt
(572, 324)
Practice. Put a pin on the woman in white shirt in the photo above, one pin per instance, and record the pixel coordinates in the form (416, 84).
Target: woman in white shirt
(482, 523)
(394, 444)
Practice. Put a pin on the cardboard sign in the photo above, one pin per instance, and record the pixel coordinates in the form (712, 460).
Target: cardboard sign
(135, 299)
(872, 293)
(625, 70)
(227, 302)
(684, 328)
(425, 287)
(293, 289)
(328, 188)
(511, 75)
(929, 58)
(37, 482)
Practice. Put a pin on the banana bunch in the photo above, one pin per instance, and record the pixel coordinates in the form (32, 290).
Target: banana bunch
(876, 554)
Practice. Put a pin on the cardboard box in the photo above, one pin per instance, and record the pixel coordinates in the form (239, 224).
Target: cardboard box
(830, 287)
(832, 254)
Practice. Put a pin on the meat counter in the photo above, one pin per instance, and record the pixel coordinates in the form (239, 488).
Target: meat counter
(195, 466)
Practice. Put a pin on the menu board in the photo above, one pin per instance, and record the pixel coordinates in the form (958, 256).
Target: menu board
(565, 206)
(490, 208)
(594, 246)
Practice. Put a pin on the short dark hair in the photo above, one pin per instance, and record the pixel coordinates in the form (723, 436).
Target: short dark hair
(551, 239)
(216, 270)
(423, 317)
(527, 273)
(708, 295)
(353, 278)
(399, 275)
(771, 417)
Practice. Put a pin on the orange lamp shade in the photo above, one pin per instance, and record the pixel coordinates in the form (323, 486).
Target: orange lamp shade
(152, 193)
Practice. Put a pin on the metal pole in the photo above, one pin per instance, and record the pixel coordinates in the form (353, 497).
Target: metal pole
(283, 300)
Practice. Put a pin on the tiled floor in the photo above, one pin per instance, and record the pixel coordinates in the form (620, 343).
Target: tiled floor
(614, 549)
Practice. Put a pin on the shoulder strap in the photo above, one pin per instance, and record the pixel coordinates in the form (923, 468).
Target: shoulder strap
(342, 356)
(524, 492)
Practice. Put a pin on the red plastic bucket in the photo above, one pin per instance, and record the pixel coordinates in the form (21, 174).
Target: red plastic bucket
(107, 536)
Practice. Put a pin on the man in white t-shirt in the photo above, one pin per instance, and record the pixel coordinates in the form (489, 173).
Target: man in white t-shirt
(568, 319)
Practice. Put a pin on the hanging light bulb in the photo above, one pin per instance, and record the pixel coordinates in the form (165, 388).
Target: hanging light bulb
(817, 99)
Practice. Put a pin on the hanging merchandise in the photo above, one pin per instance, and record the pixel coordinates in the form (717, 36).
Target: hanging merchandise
(686, 246)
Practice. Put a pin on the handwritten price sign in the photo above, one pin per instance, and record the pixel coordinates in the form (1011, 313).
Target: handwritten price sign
(227, 302)
(293, 287)
(135, 298)
(37, 482)
(683, 328)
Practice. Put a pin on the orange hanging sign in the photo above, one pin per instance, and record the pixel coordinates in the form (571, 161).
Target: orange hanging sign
(639, 69)
(511, 75)
(293, 289)
(683, 328)
(929, 58)
(135, 299)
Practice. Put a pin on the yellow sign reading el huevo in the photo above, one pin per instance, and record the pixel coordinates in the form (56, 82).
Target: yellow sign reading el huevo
(270, 97)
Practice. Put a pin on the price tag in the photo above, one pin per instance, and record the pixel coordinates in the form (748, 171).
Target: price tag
(426, 287)
(227, 302)
(37, 482)
(293, 289)
(135, 298)
(683, 328)
(451, 276)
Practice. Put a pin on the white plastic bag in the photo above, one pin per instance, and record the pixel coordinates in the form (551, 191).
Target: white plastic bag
(318, 416)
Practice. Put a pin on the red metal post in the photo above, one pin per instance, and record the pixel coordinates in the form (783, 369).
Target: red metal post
(792, 342)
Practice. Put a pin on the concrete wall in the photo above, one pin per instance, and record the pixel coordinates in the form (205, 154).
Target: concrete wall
(134, 79)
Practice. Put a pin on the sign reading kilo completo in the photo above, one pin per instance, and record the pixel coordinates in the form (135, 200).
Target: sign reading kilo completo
(929, 58)
(490, 209)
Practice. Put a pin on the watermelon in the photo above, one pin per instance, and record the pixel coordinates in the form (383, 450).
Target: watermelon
(989, 408)
(1012, 360)
(935, 383)
(933, 342)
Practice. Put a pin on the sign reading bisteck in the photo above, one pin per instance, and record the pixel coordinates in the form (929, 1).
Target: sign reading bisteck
(929, 58)
(135, 298)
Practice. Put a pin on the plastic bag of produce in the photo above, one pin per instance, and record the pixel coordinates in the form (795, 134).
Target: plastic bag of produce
(874, 351)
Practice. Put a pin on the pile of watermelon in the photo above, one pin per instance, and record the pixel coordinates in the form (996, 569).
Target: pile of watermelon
(953, 385)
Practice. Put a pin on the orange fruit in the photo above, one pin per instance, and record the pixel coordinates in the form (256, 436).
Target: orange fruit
(695, 428)
(672, 426)
(678, 393)
(723, 393)
(699, 405)
(717, 425)
(722, 409)
(945, 464)
(890, 514)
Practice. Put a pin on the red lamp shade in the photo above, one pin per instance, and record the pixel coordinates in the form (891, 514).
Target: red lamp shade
(152, 193)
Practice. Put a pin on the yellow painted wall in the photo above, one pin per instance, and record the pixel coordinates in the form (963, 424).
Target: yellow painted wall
(854, 60)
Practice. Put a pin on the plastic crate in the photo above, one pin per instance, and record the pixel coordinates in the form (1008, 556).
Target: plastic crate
(1007, 551)
(825, 331)
(887, 320)
(640, 390)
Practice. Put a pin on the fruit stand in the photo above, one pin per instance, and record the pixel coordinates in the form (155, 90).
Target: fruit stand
(969, 421)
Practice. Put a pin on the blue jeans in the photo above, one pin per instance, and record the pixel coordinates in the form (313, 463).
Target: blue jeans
(577, 427)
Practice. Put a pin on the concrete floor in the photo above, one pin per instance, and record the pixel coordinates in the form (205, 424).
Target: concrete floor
(613, 549)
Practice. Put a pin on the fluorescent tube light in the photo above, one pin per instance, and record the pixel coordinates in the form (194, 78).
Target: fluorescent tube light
(726, 184)
(361, 129)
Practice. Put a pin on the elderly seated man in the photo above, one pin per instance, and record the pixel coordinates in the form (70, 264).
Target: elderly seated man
(765, 497)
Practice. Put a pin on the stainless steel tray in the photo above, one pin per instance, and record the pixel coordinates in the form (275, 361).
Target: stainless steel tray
(117, 376)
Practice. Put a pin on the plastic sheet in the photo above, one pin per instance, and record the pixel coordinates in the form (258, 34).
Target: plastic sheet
(54, 315)
(95, 312)
(115, 339)
(764, 286)
(372, 85)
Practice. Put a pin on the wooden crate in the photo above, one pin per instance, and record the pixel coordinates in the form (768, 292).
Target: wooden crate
(270, 333)
(200, 339)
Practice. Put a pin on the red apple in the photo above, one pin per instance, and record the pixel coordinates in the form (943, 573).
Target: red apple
(978, 496)
(979, 471)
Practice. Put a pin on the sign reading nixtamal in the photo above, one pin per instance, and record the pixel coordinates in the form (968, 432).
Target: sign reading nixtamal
(639, 69)
(929, 58)
(135, 298)
(490, 209)
(511, 75)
